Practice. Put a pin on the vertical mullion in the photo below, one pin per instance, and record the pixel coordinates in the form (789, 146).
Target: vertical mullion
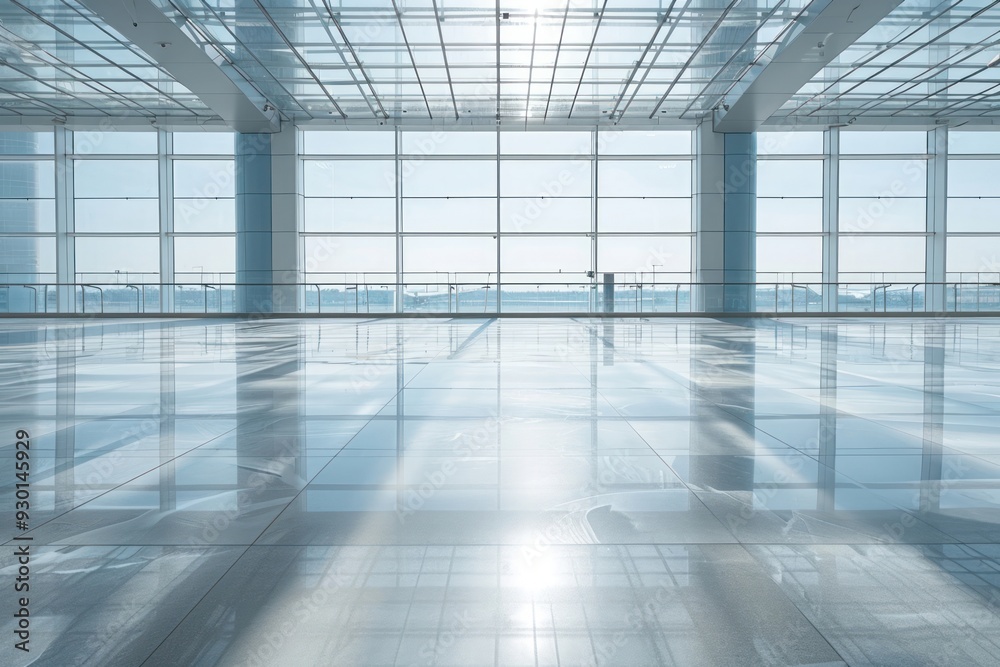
(65, 244)
(165, 145)
(935, 263)
(497, 202)
(831, 216)
(399, 220)
(594, 203)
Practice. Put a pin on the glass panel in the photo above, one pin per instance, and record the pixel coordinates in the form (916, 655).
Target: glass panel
(345, 142)
(116, 178)
(449, 143)
(974, 254)
(973, 215)
(350, 254)
(973, 178)
(670, 257)
(204, 215)
(204, 143)
(789, 215)
(106, 255)
(205, 178)
(349, 178)
(643, 215)
(114, 143)
(789, 254)
(882, 215)
(881, 254)
(447, 178)
(350, 215)
(545, 178)
(545, 143)
(789, 143)
(545, 215)
(971, 143)
(117, 215)
(27, 215)
(204, 257)
(27, 179)
(450, 215)
(644, 178)
(611, 142)
(883, 178)
(26, 143)
(569, 255)
(25, 257)
(882, 143)
(427, 258)
(789, 178)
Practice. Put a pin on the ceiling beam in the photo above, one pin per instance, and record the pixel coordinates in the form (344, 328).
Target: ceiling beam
(216, 83)
(823, 31)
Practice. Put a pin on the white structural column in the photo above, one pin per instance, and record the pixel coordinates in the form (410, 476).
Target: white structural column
(709, 202)
(286, 220)
(65, 250)
(831, 218)
(937, 220)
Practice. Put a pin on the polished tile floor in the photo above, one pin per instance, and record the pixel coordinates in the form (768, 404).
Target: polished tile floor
(505, 492)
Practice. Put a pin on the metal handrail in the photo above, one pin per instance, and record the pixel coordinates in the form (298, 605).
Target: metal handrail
(34, 297)
(208, 287)
(83, 296)
(136, 296)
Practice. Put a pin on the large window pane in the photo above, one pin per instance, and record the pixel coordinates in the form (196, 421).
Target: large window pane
(644, 178)
(789, 254)
(613, 142)
(883, 178)
(449, 143)
(974, 254)
(27, 215)
(204, 215)
(789, 178)
(349, 142)
(26, 257)
(789, 143)
(545, 143)
(669, 257)
(545, 178)
(883, 143)
(350, 215)
(129, 256)
(27, 179)
(117, 215)
(449, 215)
(349, 178)
(972, 143)
(881, 254)
(973, 178)
(349, 254)
(116, 178)
(204, 178)
(26, 143)
(643, 215)
(114, 143)
(974, 215)
(532, 215)
(427, 258)
(789, 215)
(569, 255)
(882, 215)
(204, 256)
(448, 178)
(204, 143)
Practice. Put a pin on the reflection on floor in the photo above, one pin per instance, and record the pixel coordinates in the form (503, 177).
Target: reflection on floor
(506, 492)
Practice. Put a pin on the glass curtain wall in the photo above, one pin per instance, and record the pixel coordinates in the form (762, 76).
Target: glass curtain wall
(475, 221)
(27, 220)
(790, 220)
(973, 250)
